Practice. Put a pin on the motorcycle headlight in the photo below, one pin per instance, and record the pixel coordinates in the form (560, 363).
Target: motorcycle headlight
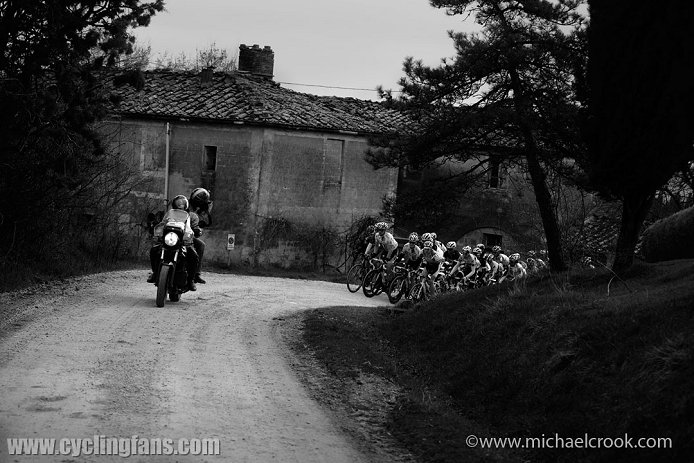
(171, 239)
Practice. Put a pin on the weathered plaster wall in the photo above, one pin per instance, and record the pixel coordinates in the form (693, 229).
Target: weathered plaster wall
(309, 178)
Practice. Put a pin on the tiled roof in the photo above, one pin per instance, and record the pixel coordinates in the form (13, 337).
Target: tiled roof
(245, 98)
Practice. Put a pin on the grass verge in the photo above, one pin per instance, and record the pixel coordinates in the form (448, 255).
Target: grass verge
(558, 357)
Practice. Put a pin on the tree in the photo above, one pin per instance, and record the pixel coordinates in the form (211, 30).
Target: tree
(210, 57)
(508, 94)
(52, 157)
(640, 117)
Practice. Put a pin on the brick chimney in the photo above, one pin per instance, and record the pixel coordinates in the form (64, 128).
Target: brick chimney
(206, 76)
(256, 60)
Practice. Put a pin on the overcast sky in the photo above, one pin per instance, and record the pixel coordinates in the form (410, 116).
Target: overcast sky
(333, 43)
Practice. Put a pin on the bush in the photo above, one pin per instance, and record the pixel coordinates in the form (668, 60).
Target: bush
(670, 238)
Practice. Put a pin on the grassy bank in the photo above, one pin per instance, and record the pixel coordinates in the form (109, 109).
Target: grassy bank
(559, 357)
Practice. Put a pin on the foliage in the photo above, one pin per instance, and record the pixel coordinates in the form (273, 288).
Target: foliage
(670, 238)
(356, 236)
(511, 92)
(639, 116)
(56, 176)
(213, 57)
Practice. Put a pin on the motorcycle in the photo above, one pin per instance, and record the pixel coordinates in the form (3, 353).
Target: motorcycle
(172, 277)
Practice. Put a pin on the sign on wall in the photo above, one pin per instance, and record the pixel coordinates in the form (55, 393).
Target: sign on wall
(231, 240)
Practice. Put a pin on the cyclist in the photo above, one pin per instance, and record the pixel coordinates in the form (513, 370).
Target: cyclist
(483, 272)
(516, 269)
(369, 241)
(411, 253)
(431, 263)
(437, 244)
(500, 264)
(387, 245)
(467, 263)
(451, 254)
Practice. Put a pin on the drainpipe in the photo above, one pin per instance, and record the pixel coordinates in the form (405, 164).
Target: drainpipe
(166, 166)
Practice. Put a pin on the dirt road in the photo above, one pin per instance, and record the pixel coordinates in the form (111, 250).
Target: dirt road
(95, 357)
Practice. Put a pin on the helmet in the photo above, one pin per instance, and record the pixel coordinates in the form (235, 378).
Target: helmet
(496, 249)
(514, 256)
(200, 197)
(414, 237)
(381, 226)
(543, 252)
(466, 249)
(477, 250)
(531, 253)
(427, 237)
(433, 236)
(481, 246)
(428, 244)
(180, 202)
(451, 245)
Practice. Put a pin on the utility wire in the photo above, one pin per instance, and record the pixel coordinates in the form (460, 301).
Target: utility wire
(330, 86)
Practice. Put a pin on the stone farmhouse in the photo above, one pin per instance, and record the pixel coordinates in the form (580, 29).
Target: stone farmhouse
(265, 152)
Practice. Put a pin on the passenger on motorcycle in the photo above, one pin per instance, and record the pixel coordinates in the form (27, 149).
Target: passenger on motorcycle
(179, 202)
(200, 209)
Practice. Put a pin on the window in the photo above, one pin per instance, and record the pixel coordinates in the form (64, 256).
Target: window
(490, 239)
(210, 157)
(496, 179)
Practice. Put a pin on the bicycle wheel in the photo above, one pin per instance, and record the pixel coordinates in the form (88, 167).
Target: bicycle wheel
(371, 283)
(355, 277)
(397, 288)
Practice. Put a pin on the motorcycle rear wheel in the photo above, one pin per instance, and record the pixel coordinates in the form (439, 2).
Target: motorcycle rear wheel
(162, 285)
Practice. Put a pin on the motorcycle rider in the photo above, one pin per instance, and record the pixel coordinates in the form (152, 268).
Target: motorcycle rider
(200, 208)
(179, 202)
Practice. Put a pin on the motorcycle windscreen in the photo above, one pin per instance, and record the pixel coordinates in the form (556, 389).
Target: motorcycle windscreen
(178, 217)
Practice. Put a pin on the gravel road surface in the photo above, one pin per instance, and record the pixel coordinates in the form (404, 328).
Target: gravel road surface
(94, 356)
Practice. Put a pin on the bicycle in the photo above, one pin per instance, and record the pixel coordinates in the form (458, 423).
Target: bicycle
(356, 274)
(401, 284)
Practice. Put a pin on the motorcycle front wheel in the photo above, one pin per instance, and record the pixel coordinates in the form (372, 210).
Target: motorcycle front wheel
(162, 284)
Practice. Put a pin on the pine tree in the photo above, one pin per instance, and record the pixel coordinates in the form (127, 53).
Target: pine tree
(510, 92)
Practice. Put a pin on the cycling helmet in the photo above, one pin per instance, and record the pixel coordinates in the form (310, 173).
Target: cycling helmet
(496, 249)
(427, 237)
(180, 202)
(466, 249)
(451, 245)
(543, 252)
(477, 250)
(200, 197)
(414, 237)
(515, 256)
(481, 246)
(531, 253)
(428, 244)
(381, 226)
(433, 236)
